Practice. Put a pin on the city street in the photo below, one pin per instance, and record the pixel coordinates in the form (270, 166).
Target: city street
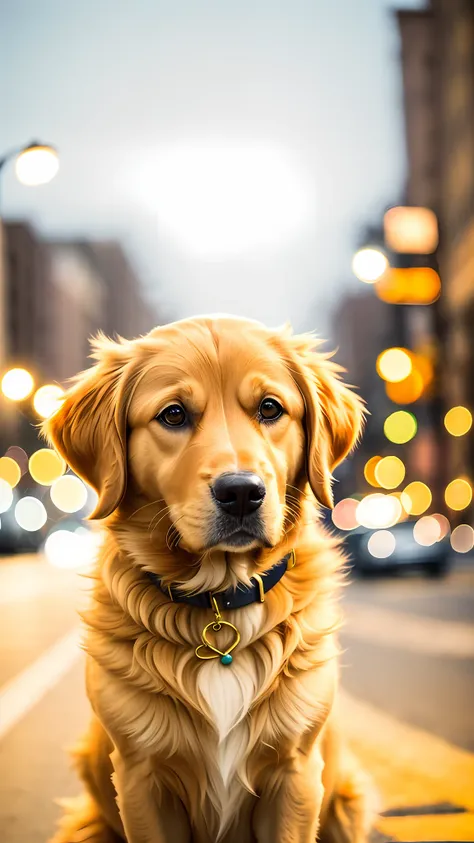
(408, 680)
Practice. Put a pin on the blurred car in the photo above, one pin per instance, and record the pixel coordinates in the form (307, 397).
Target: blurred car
(395, 549)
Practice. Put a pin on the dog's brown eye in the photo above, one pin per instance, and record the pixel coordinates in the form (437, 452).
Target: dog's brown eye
(270, 410)
(173, 416)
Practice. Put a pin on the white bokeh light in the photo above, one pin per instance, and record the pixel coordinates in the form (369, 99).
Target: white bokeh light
(66, 549)
(221, 199)
(30, 514)
(381, 544)
(378, 510)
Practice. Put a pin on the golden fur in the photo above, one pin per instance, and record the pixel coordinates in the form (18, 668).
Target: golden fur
(182, 750)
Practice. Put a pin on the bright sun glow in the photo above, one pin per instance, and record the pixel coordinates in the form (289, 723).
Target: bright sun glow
(222, 199)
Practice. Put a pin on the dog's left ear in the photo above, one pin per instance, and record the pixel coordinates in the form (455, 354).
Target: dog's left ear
(89, 429)
(334, 414)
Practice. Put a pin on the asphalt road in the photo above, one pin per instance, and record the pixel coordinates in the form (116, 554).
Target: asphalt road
(408, 670)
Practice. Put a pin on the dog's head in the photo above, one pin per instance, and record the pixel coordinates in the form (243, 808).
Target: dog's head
(218, 423)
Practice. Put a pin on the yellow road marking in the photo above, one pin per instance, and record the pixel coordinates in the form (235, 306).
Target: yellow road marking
(412, 767)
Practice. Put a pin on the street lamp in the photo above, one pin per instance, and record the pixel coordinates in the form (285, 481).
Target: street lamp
(37, 163)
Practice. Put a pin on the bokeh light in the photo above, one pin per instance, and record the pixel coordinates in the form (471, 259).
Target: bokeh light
(20, 456)
(462, 538)
(413, 285)
(10, 471)
(6, 495)
(394, 364)
(66, 549)
(427, 531)
(17, 384)
(381, 544)
(369, 265)
(36, 165)
(458, 494)
(344, 514)
(444, 525)
(30, 514)
(46, 466)
(411, 229)
(417, 498)
(377, 511)
(458, 421)
(400, 427)
(389, 472)
(69, 494)
(407, 390)
(369, 471)
(47, 399)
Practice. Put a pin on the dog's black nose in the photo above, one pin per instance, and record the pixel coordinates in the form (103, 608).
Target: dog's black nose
(240, 493)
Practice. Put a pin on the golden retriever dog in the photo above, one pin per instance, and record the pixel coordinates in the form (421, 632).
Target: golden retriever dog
(212, 658)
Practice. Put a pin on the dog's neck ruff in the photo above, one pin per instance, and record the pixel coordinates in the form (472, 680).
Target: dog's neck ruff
(231, 598)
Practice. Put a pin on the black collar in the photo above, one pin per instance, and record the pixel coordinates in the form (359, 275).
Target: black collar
(231, 598)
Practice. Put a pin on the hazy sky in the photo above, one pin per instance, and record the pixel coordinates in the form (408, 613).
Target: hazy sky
(267, 132)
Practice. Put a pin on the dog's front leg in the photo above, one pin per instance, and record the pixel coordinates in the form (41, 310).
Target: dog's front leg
(290, 803)
(149, 815)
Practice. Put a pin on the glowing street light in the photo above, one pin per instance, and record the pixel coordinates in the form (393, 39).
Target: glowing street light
(369, 264)
(35, 164)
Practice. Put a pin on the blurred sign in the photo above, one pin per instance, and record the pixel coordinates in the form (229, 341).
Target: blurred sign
(411, 230)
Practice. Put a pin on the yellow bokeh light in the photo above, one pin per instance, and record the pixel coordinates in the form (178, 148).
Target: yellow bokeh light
(17, 384)
(10, 471)
(462, 538)
(46, 466)
(389, 472)
(427, 531)
(369, 471)
(369, 265)
(394, 364)
(417, 498)
(36, 165)
(458, 494)
(406, 391)
(69, 494)
(47, 399)
(458, 421)
(400, 427)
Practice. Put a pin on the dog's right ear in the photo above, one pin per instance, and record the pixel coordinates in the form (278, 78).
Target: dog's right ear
(89, 430)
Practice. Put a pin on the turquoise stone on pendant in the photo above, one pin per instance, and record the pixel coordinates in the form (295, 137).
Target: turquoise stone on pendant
(227, 659)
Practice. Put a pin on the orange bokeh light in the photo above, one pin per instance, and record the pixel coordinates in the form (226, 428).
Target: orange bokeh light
(369, 471)
(415, 285)
(406, 391)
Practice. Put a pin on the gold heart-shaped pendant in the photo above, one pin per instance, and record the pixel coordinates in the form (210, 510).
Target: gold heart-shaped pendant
(225, 655)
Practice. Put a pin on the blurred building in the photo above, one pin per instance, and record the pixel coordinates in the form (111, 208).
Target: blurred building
(438, 74)
(58, 294)
(55, 296)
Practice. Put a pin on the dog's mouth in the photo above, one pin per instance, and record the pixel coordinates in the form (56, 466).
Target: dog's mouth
(230, 532)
